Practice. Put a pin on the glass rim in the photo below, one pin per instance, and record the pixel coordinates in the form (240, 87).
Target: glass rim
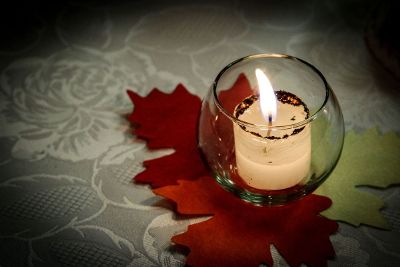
(266, 126)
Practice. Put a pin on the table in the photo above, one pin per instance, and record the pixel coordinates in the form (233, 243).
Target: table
(66, 196)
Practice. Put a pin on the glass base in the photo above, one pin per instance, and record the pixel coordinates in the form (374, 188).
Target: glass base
(267, 199)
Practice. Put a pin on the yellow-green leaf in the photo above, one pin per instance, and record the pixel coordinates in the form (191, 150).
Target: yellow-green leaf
(370, 159)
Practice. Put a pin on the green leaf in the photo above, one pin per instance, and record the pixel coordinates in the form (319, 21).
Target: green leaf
(369, 159)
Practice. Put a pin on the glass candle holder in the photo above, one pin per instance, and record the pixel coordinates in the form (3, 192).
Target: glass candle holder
(271, 129)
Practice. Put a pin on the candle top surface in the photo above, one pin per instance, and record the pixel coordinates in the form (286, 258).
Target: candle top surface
(290, 110)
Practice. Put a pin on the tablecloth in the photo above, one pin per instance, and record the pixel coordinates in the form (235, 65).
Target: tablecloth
(67, 153)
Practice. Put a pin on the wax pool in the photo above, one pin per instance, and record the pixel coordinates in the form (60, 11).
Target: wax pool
(272, 159)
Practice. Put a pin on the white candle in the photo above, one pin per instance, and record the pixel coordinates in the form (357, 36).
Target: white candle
(272, 159)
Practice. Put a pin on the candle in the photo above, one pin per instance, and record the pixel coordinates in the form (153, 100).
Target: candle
(269, 158)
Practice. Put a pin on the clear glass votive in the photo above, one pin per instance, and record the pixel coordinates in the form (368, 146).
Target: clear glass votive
(271, 129)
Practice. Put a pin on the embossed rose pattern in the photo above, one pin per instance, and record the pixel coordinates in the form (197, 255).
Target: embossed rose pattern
(68, 155)
(69, 106)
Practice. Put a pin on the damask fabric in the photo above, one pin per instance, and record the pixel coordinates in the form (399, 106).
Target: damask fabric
(67, 155)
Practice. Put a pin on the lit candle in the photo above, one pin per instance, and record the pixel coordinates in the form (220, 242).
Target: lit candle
(267, 158)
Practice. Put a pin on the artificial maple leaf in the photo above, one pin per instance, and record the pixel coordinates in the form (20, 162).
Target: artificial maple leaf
(168, 121)
(240, 234)
(368, 159)
(230, 97)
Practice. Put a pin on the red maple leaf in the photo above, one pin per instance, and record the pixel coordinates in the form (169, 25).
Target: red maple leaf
(240, 234)
(241, 89)
(168, 121)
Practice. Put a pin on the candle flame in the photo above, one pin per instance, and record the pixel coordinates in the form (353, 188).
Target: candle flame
(267, 96)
